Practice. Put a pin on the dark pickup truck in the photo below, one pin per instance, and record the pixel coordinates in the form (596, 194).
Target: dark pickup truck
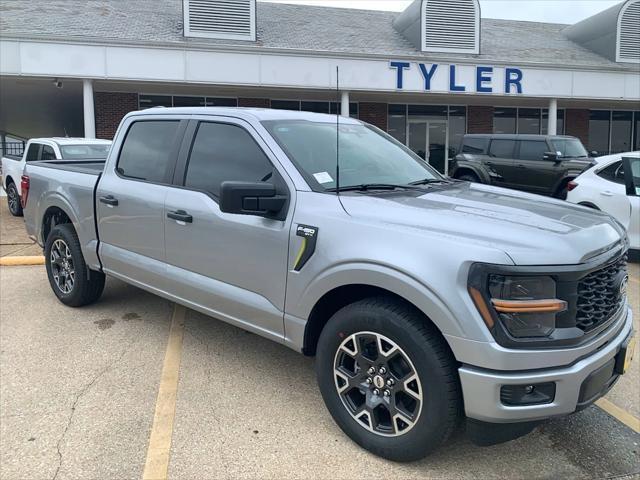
(542, 164)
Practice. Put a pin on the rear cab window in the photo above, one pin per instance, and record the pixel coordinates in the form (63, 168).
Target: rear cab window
(33, 152)
(47, 153)
(147, 150)
(502, 148)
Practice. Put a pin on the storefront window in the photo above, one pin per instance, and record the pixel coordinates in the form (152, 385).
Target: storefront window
(636, 131)
(188, 102)
(504, 120)
(437, 112)
(621, 123)
(397, 122)
(529, 121)
(335, 107)
(285, 104)
(316, 107)
(545, 122)
(457, 128)
(222, 102)
(599, 123)
(148, 101)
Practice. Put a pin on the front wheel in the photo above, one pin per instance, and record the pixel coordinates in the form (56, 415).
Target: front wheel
(13, 200)
(70, 279)
(469, 177)
(388, 379)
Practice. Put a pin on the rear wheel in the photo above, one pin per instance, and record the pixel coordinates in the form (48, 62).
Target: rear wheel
(13, 200)
(388, 379)
(70, 279)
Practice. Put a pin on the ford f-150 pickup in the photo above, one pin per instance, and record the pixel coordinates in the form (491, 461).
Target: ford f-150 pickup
(425, 300)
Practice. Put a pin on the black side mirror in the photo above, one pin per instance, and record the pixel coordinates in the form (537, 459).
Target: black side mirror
(553, 156)
(247, 198)
(593, 153)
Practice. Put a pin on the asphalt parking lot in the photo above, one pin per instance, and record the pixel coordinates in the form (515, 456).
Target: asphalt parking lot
(79, 391)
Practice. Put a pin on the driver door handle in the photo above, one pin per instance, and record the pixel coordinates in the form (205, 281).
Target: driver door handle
(109, 200)
(180, 216)
(606, 193)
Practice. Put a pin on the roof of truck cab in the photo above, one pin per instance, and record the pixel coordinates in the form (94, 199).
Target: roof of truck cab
(72, 141)
(260, 114)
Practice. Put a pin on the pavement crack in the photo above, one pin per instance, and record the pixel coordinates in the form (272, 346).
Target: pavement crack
(80, 394)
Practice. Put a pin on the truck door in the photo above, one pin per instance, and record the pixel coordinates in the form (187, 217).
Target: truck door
(130, 201)
(233, 267)
(500, 161)
(532, 171)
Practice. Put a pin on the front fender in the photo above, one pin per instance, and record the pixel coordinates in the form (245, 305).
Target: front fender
(399, 283)
(480, 171)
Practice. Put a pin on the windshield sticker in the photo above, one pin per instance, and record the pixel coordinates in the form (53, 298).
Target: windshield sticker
(323, 177)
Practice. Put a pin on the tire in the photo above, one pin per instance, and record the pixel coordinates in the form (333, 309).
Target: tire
(469, 177)
(418, 362)
(13, 200)
(70, 279)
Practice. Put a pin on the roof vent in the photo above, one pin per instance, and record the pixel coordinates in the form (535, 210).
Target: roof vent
(442, 25)
(224, 19)
(628, 37)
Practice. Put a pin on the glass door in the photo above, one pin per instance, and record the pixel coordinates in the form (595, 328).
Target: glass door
(429, 139)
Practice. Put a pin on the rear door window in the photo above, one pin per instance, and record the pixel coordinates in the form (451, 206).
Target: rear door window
(532, 150)
(48, 153)
(32, 152)
(613, 173)
(223, 152)
(147, 150)
(502, 148)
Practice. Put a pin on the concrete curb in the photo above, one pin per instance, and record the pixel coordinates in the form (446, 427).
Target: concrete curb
(20, 261)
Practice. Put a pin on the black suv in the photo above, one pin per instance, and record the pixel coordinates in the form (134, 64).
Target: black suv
(535, 163)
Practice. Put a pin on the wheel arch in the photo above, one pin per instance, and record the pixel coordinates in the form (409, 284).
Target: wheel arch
(52, 216)
(470, 169)
(372, 284)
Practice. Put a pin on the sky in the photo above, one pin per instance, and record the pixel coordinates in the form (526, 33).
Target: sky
(551, 11)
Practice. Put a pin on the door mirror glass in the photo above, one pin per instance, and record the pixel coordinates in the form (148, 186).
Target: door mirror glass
(248, 198)
(631, 168)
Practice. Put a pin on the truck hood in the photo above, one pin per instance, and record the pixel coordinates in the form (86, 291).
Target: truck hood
(531, 229)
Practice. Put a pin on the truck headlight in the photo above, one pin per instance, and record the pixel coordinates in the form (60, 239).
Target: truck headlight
(525, 305)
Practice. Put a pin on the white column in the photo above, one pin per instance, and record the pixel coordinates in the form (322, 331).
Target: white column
(344, 104)
(553, 117)
(89, 113)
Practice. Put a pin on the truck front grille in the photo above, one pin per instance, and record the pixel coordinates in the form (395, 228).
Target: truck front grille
(600, 295)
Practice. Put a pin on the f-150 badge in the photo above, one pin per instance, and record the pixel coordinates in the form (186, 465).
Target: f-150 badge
(307, 249)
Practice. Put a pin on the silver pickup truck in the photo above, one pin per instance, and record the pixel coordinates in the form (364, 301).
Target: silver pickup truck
(425, 300)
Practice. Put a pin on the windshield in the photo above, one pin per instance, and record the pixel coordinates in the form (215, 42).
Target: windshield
(569, 147)
(84, 152)
(367, 155)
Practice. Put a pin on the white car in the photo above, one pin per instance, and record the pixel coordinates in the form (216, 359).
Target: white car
(46, 149)
(607, 187)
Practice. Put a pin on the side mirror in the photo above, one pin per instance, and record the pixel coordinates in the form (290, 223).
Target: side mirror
(593, 153)
(247, 198)
(553, 156)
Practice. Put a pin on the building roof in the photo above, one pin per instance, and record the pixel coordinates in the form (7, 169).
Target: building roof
(311, 29)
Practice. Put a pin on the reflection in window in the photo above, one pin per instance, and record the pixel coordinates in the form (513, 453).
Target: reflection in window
(529, 121)
(285, 104)
(636, 130)
(149, 101)
(621, 131)
(504, 120)
(397, 122)
(457, 128)
(599, 123)
(545, 122)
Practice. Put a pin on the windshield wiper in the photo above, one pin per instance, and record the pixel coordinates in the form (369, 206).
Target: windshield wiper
(365, 187)
(429, 181)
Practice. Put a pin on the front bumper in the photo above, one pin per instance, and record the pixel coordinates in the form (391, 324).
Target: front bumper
(481, 387)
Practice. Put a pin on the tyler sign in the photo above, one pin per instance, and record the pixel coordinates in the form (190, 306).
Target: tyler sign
(457, 78)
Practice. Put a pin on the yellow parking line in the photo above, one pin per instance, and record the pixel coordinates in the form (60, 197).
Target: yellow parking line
(157, 463)
(18, 261)
(620, 414)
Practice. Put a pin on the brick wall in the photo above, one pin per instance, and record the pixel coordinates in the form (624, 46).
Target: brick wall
(577, 124)
(110, 107)
(480, 119)
(374, 113)
(254, 102)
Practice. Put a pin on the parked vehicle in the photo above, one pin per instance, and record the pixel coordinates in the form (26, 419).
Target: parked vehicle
(425, 299)
(541, 164)
(46, 149)
(612, 186)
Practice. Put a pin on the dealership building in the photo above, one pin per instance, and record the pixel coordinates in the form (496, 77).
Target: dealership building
(427, 75)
